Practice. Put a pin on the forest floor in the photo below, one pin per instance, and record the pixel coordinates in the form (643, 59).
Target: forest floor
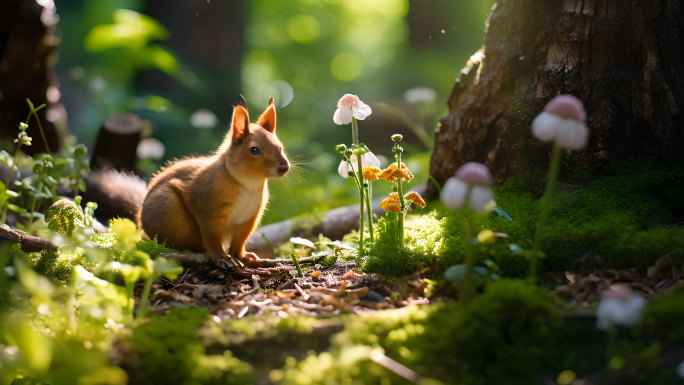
(341, 288)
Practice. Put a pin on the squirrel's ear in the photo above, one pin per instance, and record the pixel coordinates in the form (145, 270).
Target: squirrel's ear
(267, 119)
(240, 124)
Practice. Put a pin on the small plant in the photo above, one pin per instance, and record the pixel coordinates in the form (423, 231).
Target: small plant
(562, 122)
(349, 109)
(48, 172)
(469, 190)
(396, 203)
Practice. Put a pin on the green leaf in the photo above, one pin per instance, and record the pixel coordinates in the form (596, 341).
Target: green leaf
(162, 59)
(127, 232)
(302, 241)
(130, 273)
(105, 291)
(130, 30)
(36, 284)
(166, 267)
(456, 273)
(35, 347)
(502, 213)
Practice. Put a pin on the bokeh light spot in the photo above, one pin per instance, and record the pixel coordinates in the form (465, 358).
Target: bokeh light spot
(304, 28)
(346, 66)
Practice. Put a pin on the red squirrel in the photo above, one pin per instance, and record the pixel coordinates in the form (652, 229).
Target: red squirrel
(212, 204)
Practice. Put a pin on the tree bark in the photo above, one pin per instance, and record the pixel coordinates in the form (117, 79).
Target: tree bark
(622, 59)
(28, 50)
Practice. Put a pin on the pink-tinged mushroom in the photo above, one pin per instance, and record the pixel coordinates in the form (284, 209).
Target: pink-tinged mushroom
(562, 121)
(472, 182)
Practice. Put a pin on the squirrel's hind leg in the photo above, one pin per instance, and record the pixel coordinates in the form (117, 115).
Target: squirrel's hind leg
(164, 215)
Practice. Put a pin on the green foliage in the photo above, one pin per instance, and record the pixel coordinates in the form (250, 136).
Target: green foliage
(53, 335)
(63, 217)
(168, 349)
(423, 242)
(504, 336)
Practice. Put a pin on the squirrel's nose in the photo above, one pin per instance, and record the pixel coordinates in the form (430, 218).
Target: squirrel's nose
(283, 167)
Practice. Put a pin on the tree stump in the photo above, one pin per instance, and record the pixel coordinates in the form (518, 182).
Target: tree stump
(117, 142)
(622, 59)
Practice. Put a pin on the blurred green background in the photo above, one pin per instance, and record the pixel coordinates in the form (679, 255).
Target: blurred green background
(183, 65)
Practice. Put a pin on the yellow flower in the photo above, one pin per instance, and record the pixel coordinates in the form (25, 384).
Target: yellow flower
(391, 203)
(371, 173)
(415, 198)
(392, 172)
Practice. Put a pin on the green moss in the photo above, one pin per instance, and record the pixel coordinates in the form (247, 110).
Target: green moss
(58, 264)
(423, 243)
(662, 319)
(168, 350)
(152, 246)
(628, 219)
(504, 336)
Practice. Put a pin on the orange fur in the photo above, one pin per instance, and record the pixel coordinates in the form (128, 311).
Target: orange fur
(213, 203)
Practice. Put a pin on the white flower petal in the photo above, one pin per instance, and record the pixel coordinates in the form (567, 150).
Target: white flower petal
(370, 160)
(481, 199)
(343, 169)
(545, 126)
(454, 193)
(343, 115)
(362, 111)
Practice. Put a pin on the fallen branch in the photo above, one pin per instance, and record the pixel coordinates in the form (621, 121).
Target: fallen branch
(395, 367)
(336, 223)
(29, 243)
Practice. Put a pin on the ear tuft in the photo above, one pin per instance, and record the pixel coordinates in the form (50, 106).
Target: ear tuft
(240, 124)
(242, 101)
(267, 119)
(270, 101)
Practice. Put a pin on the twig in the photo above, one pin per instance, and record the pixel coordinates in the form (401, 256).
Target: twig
(395, 367)
(29, 243)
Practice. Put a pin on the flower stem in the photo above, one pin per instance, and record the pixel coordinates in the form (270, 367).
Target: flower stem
(402, 205)
(34, 112)
(142, 306)
(546, 206)
(369, 208)
(467, 287)
(362, 200)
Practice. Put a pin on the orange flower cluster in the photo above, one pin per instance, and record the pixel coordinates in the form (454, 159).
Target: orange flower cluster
(392, 204)
(392, 172)
(415, 198)
(371, 173)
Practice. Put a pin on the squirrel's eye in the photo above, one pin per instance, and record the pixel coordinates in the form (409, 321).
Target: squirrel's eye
(254, 150)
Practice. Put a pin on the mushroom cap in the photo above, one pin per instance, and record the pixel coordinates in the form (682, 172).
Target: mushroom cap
(474, 173)
(567, 107)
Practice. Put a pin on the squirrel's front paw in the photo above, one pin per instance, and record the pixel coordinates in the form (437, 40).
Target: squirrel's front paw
(229, 263)
(250, 259)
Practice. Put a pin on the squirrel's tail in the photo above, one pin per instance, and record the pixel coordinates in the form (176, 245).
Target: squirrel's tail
(117, 194)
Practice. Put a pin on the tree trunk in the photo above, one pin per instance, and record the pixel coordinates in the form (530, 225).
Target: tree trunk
(28, 50)
(208, 37)
(623, 59)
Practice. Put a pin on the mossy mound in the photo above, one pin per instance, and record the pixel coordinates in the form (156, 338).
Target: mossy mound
(169, 350)
(628, 219)
(504, 336)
